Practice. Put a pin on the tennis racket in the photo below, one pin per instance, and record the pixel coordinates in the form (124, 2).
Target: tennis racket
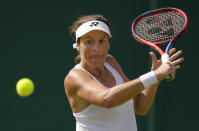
(161, 26)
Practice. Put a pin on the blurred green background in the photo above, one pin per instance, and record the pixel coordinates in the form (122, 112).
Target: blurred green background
(35, 43)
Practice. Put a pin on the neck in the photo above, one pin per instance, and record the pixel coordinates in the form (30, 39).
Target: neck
(97, 71)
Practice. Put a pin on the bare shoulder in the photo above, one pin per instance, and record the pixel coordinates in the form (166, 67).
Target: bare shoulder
(72, 81)
(114, 63)
(76, 88)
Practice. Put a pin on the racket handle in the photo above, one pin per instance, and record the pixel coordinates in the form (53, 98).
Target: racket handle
(169, 77)
(165, 58)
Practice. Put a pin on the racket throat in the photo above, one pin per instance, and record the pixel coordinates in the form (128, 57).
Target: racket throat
(165, 58)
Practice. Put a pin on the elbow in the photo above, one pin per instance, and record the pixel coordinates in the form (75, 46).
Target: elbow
(142, 113)
(107, 101)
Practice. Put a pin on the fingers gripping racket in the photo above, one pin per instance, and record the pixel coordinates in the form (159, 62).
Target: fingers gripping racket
(158, 27)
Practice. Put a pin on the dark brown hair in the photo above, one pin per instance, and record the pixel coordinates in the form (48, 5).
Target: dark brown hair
(82, 20)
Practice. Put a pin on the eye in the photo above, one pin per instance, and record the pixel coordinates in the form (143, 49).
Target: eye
(89, 41)
(102, 41)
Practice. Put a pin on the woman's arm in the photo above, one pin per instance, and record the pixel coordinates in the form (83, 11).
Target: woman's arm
(80, 84)
(145, 98)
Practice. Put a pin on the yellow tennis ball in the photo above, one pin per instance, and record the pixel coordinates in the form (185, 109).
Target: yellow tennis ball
(25, 87)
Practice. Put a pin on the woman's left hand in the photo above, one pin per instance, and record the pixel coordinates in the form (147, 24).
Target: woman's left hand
(173, 58)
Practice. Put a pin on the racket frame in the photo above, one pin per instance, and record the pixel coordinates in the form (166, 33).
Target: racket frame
(155, 44)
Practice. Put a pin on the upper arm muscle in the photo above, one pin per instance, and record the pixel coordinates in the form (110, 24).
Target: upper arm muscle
(82, 85)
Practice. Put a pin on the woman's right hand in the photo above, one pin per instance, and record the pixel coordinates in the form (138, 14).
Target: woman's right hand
(164, 70)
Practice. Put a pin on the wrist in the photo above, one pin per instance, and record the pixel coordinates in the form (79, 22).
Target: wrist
(148, 79)
(159, 75)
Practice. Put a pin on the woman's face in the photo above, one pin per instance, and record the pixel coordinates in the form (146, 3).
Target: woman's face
(93, 48)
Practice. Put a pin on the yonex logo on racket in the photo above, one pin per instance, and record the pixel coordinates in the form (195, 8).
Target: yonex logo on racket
(167, 21)
(161, 27)
(159, 31)
(94, 24)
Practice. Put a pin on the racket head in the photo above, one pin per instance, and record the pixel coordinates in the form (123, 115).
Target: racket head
(159, 26)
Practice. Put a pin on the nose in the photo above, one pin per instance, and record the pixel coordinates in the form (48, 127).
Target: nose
(96, 47)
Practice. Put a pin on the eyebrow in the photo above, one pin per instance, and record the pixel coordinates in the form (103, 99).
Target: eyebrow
(88, 37)
(104, 37)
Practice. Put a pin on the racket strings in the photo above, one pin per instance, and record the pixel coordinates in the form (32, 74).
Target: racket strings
(160, 26)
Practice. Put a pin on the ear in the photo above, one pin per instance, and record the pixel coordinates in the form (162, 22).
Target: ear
(109, 46)
(78, 47)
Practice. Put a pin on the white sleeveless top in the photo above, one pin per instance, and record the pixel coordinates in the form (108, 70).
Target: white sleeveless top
(96, 118)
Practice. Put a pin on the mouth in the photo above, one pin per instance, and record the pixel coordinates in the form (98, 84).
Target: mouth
(97, 57)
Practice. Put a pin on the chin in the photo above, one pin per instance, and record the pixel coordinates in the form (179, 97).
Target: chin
(97, 63)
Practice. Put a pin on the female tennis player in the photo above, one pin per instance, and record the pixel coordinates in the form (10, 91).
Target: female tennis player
(101, 96)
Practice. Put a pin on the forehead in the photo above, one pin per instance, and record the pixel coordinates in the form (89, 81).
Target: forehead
(95, 34)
